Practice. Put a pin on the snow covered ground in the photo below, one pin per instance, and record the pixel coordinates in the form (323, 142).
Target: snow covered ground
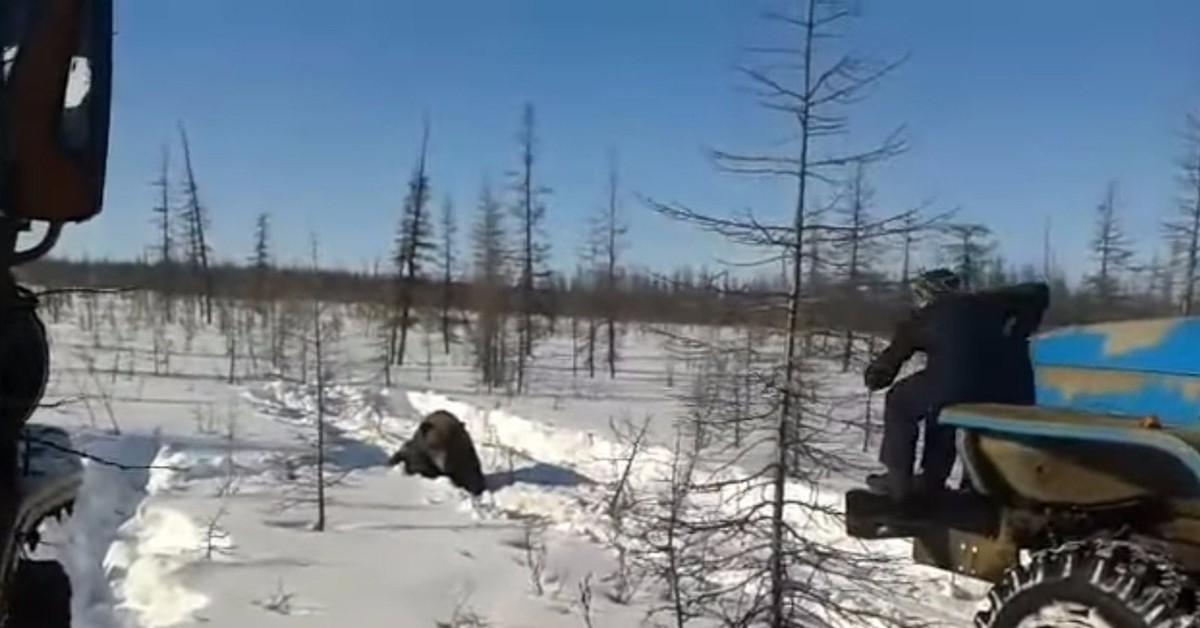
(215, 525)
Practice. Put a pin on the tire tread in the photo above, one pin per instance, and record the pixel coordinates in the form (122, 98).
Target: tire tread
(1146, 584)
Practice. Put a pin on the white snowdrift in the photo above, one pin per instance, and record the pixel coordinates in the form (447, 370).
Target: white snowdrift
(125, 551)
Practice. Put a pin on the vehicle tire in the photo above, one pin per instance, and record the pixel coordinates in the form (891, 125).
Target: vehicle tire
(1100, 584)
(41, 596)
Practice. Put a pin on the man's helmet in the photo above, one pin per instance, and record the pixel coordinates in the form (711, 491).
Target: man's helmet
(930, 284)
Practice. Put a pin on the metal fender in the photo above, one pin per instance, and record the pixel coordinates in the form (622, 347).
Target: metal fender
(1059, 456)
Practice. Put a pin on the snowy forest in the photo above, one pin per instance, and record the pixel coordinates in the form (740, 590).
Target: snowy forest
(853, 260)
(662, 446)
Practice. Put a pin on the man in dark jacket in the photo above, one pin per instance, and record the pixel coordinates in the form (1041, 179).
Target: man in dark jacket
(975, 346)
(1024, 305)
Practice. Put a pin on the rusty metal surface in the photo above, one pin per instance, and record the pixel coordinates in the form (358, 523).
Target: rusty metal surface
(1046, 454)
(1083, 473)
(979, 556)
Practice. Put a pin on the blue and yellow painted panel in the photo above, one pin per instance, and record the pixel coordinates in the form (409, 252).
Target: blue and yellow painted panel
(1134, 368)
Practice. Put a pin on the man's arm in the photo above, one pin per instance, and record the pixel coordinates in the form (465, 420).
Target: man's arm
(1030, 301)
(883, 368)
(1024, 303)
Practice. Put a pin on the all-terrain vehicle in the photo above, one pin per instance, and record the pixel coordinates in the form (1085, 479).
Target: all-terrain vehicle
(55, 97)
(1084, 509)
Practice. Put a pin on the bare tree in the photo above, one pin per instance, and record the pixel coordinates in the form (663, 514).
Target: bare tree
(490, 289)
(673, 556)
(859, 250)
(1111, 249)
(166, 240)
(195, 225)
(611, 229)
(812, 94)
(575, 326)
(530, 213)
(413, 246)
(384, 342)
(1047, 251)
(262, 314)
(589, 279)
(227, 323)
(286, 333)
(815, 247)
(1173, 270)
(967, 246)
(996, 272)
(1183, 232)
(585, 600)
(447, 259)
(1152, 282)
(626, 579)
(260, 263)
(911, 234)
(319, 350)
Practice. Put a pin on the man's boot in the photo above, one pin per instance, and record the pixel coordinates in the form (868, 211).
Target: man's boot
(926, 486)
(896, 486)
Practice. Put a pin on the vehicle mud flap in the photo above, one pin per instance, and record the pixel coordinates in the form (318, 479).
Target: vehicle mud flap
(957, 532)
(873, 516)
(870, 515)
(970, 553)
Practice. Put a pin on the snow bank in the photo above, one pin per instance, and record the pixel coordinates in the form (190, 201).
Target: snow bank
(125, 553)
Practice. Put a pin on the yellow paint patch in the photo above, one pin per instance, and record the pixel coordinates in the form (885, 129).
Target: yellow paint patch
(1124, 336)
(1070, 382)
(1190, 387)
(1133, 335)
(1073, 381)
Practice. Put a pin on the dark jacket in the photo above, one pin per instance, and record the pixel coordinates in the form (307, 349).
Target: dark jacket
(1025, 305)
(975, 345)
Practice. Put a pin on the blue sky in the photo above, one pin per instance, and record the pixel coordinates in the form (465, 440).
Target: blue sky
(311, 110)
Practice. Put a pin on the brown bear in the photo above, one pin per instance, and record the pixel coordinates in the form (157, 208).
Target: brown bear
(441, 446)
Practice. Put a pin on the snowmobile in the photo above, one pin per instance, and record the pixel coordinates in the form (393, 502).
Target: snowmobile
(55, 99)
(1084, 508)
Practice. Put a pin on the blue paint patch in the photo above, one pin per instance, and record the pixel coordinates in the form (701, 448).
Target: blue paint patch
(1083, 346)
(1160, 396)
(1166, 366)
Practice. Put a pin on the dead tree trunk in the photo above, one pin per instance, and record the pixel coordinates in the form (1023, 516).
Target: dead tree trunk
(1184, 231)
(197, 228)
(530, 213)
(319, 351)
(449, 228)
(411, 245)
(614, 229)
(166, 242)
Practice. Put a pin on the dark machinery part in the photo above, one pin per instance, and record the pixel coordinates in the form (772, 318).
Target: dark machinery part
(55, 100)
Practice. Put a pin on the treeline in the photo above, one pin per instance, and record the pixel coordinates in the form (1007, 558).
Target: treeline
(855, 266)
(686, 296)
